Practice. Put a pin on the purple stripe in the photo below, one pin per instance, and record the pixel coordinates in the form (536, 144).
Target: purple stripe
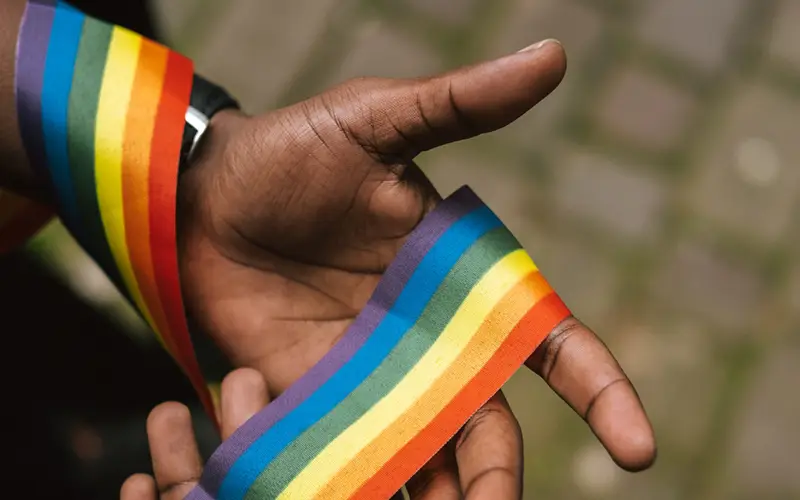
(34, 38)
(394, 280)
(198, 493)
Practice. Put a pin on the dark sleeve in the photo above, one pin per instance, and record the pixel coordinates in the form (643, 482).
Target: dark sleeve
(132, 14)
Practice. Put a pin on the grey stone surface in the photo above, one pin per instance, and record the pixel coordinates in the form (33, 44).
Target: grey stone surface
(586, 281)
(172, 15)
(496, 183)
(784, 40)
(579, 28)
(645, 110)
(698, 32)
(700, 281)
(682, 410)
(270, 38)
(451, 12)
(739, 182)
(748, 180)
(622, 200)
(575, 25)
(765, 452)
(381, 49)
(793, 292)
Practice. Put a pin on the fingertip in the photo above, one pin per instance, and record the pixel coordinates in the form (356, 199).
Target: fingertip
(621, 424)
(138, 487)
(244, 382)
(244, 393)
(641, 450)
(167, 416)
(544, 63)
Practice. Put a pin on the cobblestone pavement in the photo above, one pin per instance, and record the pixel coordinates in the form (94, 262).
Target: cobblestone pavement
(657, 188)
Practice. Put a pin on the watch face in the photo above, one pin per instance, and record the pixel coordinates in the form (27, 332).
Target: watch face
(196, 125)
(196, 120)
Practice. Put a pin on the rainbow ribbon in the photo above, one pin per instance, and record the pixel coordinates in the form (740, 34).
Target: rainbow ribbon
(101, 114)
(455, 315)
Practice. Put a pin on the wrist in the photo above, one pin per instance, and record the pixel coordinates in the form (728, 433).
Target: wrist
(195, 195)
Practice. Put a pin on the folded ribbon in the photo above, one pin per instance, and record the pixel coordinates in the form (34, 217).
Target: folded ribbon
(101, 112)
(455, 315)
(459, 310)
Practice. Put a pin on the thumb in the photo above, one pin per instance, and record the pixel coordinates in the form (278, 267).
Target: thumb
(407, 117)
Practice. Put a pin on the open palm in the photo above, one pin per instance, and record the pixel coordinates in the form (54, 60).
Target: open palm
(288, 221)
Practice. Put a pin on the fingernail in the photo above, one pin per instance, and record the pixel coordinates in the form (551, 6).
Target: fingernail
(539, 45)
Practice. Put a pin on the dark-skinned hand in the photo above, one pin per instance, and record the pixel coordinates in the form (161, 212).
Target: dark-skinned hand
(288, 220)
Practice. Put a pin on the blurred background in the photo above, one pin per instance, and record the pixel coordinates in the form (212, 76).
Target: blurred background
(657, 188)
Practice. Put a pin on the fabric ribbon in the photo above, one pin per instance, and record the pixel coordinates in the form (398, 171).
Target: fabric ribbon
(101, 111)
(455, 315)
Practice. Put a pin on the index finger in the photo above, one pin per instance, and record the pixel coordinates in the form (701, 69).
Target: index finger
(578, 366)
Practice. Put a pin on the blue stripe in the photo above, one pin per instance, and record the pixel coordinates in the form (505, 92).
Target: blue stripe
(419, 290)
(58, 75)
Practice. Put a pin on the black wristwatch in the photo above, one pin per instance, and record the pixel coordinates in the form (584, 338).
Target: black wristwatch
(207, 99)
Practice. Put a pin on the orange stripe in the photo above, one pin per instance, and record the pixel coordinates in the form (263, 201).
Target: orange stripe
(164, 157)
(521, 342)
(146, 94)
(481, 347)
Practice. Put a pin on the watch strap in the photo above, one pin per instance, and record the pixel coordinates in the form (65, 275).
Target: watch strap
(207, 99)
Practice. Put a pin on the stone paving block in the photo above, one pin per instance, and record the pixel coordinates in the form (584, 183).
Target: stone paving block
(257, 46)
(618, 199)
(764, 456)
(748, 179)
(499, 184)
(450, 12)
(793, 292)
(575, 25)
(171, 16)
(578, 27)
(586, 281)
(644, 110)
(698, 32)
(536, 407)
(380, 49)
(698, 280)
(671, 362)
(784, 37)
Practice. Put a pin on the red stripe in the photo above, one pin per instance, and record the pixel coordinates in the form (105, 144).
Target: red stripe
(165, 154)
(531, 331)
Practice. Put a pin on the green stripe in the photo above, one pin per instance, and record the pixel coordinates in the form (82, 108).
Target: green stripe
(461, 279)
(84, 101)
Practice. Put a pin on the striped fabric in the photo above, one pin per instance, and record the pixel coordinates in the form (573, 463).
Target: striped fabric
(20, 219)
(455, 315)
(101, 113)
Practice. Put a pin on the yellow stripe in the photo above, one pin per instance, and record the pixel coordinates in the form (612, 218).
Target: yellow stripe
(490, 290)
(115, 95)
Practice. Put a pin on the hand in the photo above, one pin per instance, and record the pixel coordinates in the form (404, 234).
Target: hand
(177, 465)
(173, 448)
(289, 219)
